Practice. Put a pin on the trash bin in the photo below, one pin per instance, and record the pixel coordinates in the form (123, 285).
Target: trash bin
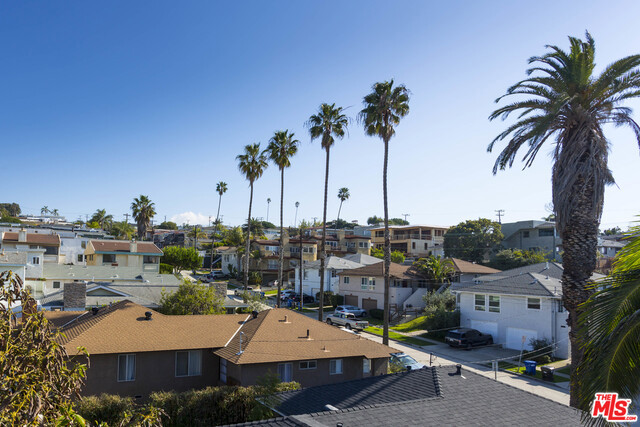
(547, 373)
(530, 367)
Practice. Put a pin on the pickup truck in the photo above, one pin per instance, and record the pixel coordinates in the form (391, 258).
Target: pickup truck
(348, 320)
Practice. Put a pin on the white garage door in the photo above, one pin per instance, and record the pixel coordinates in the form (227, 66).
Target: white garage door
(486, 327)
(514, 338)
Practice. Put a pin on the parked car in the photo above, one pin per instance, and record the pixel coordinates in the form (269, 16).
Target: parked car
(240, 291)
(405, 362)
(217, 274)
(348, 320)
(306, 299)
(287, 293)
(467, 338)
(351, 309)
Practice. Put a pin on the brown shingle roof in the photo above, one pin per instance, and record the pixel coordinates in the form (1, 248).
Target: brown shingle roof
(377, 270)
(122, 328)
(124, 246)
(268, 338)
(61, 318)
(33, 238)
(466, 267)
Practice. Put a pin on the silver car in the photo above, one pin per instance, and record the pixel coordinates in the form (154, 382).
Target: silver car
(357, 311)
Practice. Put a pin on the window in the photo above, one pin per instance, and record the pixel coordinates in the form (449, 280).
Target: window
(439, 233)
(188, 363)
(335, 366)
(308, 364)
(126, 367)
(150, 259)
(345, 280)
(35, 260)
(272, 264)
(333, 273)
(559, 306)
(294, 249)
(80, 258)
(33, 246)
(285, 372)
(366, 366)
(425, 246)
(533, 303)
(364, 283)
(223, 370)
(83, 245)
(525, 234)
(332, 244)
(480, 303)
(413, 245)
(56, 285)
(545, 232)
(90, 257)
(306, 274)
(363, 245)
(494, 304)
(108, 258)
(379, 233)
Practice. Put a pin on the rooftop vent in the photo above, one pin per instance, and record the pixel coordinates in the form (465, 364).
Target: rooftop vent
(329, 407)
(147, 315)
(95, 310)
(254, 314)
(458, 369)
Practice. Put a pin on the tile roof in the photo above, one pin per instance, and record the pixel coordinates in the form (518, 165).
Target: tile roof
(125, 246)
(377, 270)
(466, 267)
(470, 399)
(268, 338)
(33, 238)
(122, 328)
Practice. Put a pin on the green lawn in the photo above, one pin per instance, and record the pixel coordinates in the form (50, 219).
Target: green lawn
(515, 369)
(272, 292)
(412, 325)
(566, 370)
(398, 337)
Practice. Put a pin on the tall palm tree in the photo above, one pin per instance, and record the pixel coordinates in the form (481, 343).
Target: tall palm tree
(221, 188)
(268, 204)
(282, 146)
(611, 319)
(54, 212)
(570, 105)
(101, 217)
(44, 210)
(196, 233)
(343, 194)
(383, 109)
(143, 211)
(327, 124)
(252, 164)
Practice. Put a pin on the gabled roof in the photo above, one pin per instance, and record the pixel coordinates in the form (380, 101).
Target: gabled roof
(363, 259)
(335, 263)
(33, 238)
(377, 270)
(101, 246)
(466, 267)
(122, 328)
(61, 318)
(271, 338)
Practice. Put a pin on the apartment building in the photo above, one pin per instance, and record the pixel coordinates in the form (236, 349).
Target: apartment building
(412, 240)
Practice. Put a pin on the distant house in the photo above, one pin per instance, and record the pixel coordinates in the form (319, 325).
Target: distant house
(609, 248)
(467, 271)
(228, 258)
(143, 255)
(517, 305)
(135, 351)
(414, 241)
(17, 263)
(533, 236)
(311, 275)
(40, 247)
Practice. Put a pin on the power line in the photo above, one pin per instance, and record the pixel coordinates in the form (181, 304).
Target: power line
(499, 213)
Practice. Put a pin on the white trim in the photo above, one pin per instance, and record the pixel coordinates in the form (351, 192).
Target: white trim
(106, 288)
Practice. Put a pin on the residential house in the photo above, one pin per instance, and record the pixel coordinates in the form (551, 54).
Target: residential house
(429, 396)
(143, 255)
(609, 248)
(517, 305)
(311, 274)
(468, 271)
(414, 241)
(228, 256)
(135, 351)
(362, 259)
(40, 247)
(17, 262)
(533, 236)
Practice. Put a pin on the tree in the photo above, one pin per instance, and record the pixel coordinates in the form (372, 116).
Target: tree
(44, 210)
(221, 188)
(143, 211)
(341, 223)
(122, 230)
(181, 258)
(343, 194)
(282, 146)
(374, 220)
(94, 224)
(233, 237)
(168, 225)
(383, 109)
(252, 165)
(38, 380)
(398, 221)
(196, 233)
(13, 209)
(192, 298)
(435, 269)
(55, 212)
(570, 106)
(513, 258)
(612, 231)
(268, 204)
(101, 217)
(473, 240)
(257, 228)
(610, 324)
(327, 124)
(396, 256)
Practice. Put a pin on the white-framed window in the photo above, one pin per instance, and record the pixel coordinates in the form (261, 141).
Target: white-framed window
(188, 363)
(372, 283)
(308, 364)
(272, 264)
(333, 273)
(481, 304)
(364, 283)
(35, 260)
(294, 249)
(335, 366)
(533, 303)
(126, 367)
(366, 366)
(285, 372)
(559, 306)
(80, 258)
(332, 243)
(494, 303)
(363, 245)
(345, 280)
(56, 285)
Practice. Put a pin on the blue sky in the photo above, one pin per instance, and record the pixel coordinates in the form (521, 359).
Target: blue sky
(103, 101)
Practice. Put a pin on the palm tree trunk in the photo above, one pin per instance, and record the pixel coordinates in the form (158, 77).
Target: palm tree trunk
(248, 243)
(323, 241)
(281, 255)
(339, 209)
(216, 231)
(387, 246)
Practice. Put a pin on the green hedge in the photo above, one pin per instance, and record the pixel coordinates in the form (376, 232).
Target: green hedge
(107, 408)
(166, 268)
(376, 313)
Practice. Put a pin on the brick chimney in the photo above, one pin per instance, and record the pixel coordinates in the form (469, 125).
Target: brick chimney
(75, 296)
(22, 235)
(133, 246)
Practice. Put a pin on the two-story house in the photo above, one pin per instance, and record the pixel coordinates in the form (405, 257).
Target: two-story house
(40, 247)
(414, 241)
(143, 255)
(533, 236)
(311, 275)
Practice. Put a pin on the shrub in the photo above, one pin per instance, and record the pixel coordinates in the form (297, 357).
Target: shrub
(337, 300)
(166, 268)
(439, 321)
(327, 297)
(439, 301)
(107, 408)
(541, 353)
(376, 313)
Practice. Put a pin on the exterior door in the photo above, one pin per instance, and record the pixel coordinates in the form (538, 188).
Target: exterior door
(369, 304)
(351, 300)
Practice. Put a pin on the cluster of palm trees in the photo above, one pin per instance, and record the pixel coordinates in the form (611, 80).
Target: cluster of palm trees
(383, 109)
(46, 211)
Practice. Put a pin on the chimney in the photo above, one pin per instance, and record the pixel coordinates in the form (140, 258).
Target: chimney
(286, 319)
(22, 235)
(341, 234)
(133, 246)
(74, 296)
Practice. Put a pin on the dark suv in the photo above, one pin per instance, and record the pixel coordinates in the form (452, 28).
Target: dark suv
(467, 338)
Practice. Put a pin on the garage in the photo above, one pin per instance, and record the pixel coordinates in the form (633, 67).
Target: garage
(369, 304)
(486, 327)
(514, 338)
(351, 300)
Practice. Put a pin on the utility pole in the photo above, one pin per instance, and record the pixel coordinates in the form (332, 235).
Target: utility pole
(126, 218)
(500, 213)
(209, 220)
(315, 220)
(405, 217)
